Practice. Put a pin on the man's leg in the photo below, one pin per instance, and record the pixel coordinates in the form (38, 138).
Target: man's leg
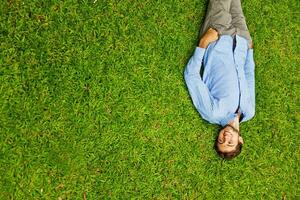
(218, 17)
(239, 21)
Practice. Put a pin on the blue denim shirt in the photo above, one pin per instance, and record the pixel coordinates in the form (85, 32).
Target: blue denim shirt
(227, 84)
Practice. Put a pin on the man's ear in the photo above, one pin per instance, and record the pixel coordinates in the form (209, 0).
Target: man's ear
(241, 141)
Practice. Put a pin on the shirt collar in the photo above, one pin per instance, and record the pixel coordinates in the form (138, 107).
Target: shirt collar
(228, 119)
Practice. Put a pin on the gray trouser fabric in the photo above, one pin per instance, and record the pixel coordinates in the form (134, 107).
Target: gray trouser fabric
(226, 16)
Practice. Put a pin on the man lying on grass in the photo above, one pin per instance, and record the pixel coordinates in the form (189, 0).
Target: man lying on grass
(224, 94)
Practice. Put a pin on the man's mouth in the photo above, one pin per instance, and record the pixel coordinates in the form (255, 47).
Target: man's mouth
(227, 133)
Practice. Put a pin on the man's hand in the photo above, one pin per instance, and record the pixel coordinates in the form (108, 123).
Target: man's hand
(211, 35)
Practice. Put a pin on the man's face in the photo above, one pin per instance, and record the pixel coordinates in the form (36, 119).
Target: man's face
(228, 139)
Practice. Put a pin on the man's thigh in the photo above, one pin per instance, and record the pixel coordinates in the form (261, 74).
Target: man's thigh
(218, 17)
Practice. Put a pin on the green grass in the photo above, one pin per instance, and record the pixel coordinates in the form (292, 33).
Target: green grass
(93, 101)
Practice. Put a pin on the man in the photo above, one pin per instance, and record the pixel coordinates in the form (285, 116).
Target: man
(224, 94)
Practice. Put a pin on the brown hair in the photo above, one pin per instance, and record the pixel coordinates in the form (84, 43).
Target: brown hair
(229, 155)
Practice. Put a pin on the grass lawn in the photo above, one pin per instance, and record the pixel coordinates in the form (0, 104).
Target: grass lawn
(93, 103)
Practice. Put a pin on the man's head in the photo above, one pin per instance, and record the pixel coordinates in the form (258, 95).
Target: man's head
(229, 142)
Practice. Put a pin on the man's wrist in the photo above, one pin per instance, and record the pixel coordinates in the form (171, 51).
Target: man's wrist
(203, 44)
(251, 45)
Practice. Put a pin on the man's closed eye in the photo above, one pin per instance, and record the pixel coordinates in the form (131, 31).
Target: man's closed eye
(230, 144)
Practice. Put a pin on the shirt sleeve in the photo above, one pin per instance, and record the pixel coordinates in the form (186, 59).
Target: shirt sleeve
(249, 75)
(199, 92)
